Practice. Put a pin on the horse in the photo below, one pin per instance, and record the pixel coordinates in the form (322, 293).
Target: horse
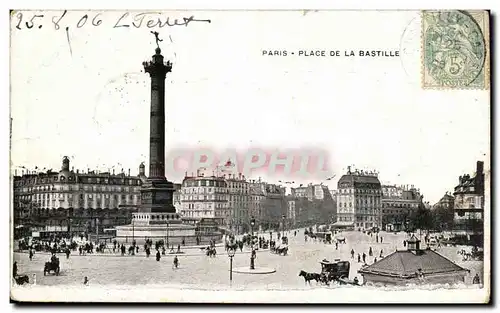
(341, 240)
(310, 276)
(211, 252)
(22, 279)
(51, 266)
(465, 255)
(280, 251)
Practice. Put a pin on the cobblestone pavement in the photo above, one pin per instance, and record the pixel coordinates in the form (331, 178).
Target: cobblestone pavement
(200, 271)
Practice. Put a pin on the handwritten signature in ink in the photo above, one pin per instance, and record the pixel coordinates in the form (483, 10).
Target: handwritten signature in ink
(138, 20)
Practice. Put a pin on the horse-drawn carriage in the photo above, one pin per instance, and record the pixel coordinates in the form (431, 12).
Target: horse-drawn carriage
(325, 236)
(53, 265)
(475, 254)
(334, 271)
(279, 250)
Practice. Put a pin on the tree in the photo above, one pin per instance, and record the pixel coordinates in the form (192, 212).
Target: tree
(443, 217)
(421, 219)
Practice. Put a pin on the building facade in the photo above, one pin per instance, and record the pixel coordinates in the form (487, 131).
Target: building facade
(291, 214)
(74, 201)
(303, 192)
(469, 202)
(205, 197)
(177, 198)
(239, 196)
(359, 200)
(447, 201)
(398, 204)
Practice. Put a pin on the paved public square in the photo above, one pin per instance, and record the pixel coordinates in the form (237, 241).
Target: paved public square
(197, 270)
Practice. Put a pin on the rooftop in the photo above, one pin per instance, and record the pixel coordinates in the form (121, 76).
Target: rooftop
(408, 263)
(353, 178)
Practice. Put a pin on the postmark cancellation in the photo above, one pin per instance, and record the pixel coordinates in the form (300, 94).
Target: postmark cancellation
(455, 50)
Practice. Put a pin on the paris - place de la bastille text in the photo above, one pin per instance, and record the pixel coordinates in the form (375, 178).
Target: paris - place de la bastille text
(332, 53)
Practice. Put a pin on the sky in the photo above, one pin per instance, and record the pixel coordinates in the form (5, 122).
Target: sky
(83, 94)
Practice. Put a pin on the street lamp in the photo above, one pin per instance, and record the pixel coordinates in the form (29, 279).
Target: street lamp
(283, 226)
(230, 254)
(252, 255)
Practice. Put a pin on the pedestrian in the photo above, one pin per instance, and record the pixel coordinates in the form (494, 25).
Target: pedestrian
(375, 261)
(381, 239)
(352, 253)
(359, 258)
(370, 252)
(356, 280)
(381, 253)
(158, 255)
(377, 238)
(176, 262)
(476, 280)
(364, 257)
(86, 281)
(404, 243)
(31, 254)
(34, 279)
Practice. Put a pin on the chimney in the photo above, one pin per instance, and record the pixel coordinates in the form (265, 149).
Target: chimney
(479, 167)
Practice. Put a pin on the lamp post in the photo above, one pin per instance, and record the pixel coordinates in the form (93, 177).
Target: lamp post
(167, 236)
(252, 257)
(283, 226)
(230, 254)
(133, 228)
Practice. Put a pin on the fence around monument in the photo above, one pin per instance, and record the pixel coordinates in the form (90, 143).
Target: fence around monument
(174, 240)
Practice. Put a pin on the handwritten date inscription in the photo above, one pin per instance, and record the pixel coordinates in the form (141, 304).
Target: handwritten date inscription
(138, 20)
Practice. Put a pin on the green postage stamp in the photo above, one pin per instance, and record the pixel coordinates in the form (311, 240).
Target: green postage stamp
(455, 49)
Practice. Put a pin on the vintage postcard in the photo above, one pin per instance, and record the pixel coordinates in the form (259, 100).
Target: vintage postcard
(250, 156)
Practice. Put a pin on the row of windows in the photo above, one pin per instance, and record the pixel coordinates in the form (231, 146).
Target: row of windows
(366, 218)
(365, 191)
(204, 182)
(61, 196)
(345, 218)
(364, 224)
(203, 190)
(203, 197)
(357, 204)
(400, 205)
(191, 206)
(71, 178)
(47, 188)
